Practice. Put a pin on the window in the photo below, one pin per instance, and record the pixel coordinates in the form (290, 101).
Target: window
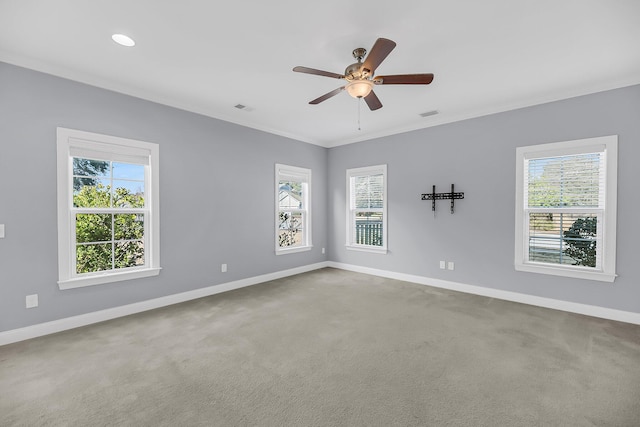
(293, 209)
(367, 209)
(566, 208)
(108, 226)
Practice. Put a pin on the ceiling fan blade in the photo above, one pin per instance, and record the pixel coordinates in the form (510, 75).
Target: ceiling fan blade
(381, 48)
(372, 101)
(327, 96)
(404, 79)
(318, 72)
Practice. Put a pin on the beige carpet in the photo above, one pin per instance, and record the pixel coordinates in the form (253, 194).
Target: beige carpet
(329, 348)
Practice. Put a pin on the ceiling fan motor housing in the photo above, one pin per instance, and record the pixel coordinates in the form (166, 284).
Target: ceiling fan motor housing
(355, 71)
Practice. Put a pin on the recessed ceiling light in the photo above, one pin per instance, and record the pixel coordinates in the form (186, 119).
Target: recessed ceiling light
(123, 40)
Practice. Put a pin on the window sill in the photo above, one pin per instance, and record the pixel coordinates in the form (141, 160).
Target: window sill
(363, 248)
(566, 272)
(81, 282)
(293, 250)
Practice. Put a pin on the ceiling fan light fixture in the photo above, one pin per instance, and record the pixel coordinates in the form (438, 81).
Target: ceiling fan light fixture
(359, 88)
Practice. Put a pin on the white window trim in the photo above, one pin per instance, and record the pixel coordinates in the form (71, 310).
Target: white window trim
(606, 272)
(305, 176)
(69, 139)
(351, 245)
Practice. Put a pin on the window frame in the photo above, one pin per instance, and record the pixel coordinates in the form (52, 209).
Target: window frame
(111, 147)
(351, 211)
(304, 175)
(605, 271)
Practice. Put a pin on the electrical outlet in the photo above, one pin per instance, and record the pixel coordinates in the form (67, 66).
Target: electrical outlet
(223, 268)
(31, 301)
(442, 265)
(450, 265)
(1, 231)
(323, 250)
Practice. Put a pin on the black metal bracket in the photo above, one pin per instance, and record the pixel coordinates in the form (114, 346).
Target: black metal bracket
(433, 196)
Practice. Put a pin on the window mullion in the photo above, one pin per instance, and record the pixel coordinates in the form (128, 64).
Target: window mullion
(113, 241)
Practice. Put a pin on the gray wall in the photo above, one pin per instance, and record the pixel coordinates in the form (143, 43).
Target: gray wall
(478, 156)
(216, 195)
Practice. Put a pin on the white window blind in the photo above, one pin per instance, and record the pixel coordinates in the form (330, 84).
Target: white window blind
(112, 152)
(368, 192)
(568, 181)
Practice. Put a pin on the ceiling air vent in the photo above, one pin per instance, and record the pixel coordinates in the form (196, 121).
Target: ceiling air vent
(243, 107)
(429, 113)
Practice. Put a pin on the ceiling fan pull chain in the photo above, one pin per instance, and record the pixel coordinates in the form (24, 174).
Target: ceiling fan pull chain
(359, 103)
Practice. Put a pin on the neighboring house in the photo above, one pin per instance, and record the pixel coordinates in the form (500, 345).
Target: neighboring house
(288, 198)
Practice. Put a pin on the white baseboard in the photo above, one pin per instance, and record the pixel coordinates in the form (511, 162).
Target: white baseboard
(21, 334)
(572, 307)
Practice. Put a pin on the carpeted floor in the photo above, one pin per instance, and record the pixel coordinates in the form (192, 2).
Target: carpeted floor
(329, 348)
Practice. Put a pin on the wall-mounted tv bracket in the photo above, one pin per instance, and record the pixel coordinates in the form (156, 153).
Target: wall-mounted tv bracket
(433, 196)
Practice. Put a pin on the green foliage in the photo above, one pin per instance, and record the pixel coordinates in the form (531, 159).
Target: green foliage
(91, 258)
(93, 228)
(105, 240)
(99, 196)
(89, 169)
(581, 245)
(542, 193)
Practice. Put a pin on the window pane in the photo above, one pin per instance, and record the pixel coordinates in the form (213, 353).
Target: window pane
(290, 195)
(93, 228)
(128, 171)
(91, 193)
(92, 168)
(128, 194)
(128, 226)
(557, 238)
(92, 258)
(291, 228)
(289, 238)
(565, 181)
(129, 254)
(368, 228)
(368, 191)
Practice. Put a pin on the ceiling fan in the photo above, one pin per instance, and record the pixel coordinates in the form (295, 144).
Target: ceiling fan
(360, 75)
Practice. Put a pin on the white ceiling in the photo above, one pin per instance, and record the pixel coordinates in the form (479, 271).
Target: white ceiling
(207, 56)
